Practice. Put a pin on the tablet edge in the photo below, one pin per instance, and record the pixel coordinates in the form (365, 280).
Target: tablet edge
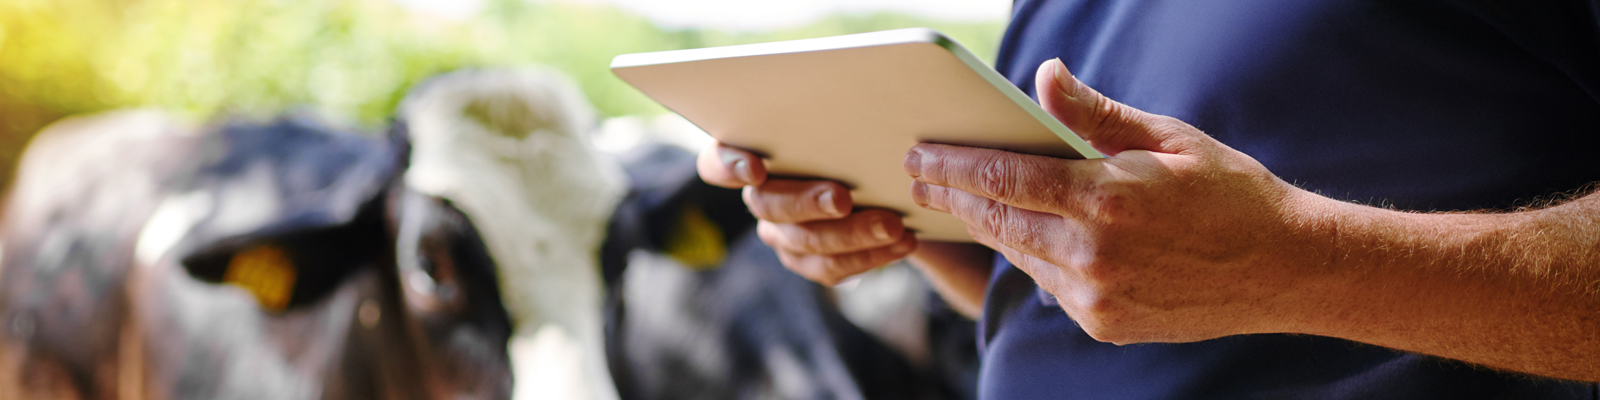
(858, 40)
(869, 39)
(1018, 96)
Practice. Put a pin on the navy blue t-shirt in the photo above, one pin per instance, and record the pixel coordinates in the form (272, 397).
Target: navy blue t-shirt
(1421, 105)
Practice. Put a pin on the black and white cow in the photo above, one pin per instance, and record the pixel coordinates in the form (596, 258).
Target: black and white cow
(147, 259)
(699, 308)
(512, 149)
(143, 258)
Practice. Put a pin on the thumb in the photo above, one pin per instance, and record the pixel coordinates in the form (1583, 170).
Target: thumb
(1109, 126)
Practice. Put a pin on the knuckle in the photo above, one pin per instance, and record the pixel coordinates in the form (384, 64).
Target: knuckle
(1094, 270)
(1099, 270)
(994, 176)
(994, 220)
(1110, 200)
(1103, 311)
(812, 241)
(1104, 112)
(1112, 207)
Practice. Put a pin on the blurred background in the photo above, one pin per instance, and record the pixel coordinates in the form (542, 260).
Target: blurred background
(418, 199)
(355, 59)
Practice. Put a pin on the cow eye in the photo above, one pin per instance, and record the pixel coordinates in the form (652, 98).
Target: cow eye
(437, 277)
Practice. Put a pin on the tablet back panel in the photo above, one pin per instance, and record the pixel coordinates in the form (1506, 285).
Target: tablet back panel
(849, 110)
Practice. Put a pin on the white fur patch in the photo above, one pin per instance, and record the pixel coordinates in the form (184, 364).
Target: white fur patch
(511, 149)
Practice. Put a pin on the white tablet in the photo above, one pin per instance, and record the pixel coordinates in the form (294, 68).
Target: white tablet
(847, 108)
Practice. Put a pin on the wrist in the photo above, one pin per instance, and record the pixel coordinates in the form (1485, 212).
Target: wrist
(1314, 258)
(1374, 268)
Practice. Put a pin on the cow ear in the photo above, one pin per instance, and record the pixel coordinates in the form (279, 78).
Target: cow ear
(290, 270)
(695, 240)
(265, 269)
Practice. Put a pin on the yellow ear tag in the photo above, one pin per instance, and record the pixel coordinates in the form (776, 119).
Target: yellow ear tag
(266, 272)
(696, 240)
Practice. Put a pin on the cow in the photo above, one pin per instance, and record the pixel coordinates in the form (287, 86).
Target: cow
(483, 249)
(512, 148)
(285, 259)
(693, 310)
(698, 307)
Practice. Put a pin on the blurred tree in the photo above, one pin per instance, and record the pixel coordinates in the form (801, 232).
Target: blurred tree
(352, 59)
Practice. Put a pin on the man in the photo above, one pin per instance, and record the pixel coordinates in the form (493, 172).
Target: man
(1182, 241)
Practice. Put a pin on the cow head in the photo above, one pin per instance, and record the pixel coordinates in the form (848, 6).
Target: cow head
(276, 260)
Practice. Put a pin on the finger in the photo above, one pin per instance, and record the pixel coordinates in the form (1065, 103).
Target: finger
(1107, 124)
(729, 167)
(1032, 182)
(1025, 230)
(1048, 276)
(831, 269)
(792, 201)
(1055, 279)
(861, 230)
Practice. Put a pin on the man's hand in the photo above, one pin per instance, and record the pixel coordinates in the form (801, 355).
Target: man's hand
(818, 234)
(1175, 238)
(1178, 238)
(812, 223)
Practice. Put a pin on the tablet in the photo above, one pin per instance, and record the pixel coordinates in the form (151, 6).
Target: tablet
(847, 108)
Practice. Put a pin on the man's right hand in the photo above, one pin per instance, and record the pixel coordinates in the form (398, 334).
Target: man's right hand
(811, 223)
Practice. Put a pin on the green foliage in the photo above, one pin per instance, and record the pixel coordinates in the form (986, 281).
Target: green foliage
(354, 58)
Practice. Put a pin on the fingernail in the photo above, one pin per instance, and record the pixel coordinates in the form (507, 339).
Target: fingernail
(729, 156)
(742, 169)
(1064, 79)
(913, 163)
(879, 229)
(826, 198)
(919, 193)
(736, 162)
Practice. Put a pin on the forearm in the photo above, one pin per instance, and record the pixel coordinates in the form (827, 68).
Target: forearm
(958, 271)
(1516, 291)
